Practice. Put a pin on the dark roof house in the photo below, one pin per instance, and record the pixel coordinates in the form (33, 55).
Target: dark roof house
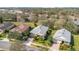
(6, 26)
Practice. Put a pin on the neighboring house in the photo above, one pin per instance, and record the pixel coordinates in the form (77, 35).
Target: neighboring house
(31, 17)
(20, 32)
(76, 21)
(42, 16)
(5, 45)
(19, 18)
(39, 30)
(62, 35)
(6, 26)
(20, 28)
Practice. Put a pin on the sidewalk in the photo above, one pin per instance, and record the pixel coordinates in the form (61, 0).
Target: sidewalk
(55, 47)
(29, 41)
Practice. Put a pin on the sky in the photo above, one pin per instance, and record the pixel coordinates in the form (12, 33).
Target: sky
(39, 3)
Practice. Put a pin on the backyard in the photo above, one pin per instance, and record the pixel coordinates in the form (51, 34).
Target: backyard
(76, 42)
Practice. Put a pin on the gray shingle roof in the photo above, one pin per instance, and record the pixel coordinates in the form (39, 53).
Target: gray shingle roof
(5, 25)
(40, 30)
(63, 35)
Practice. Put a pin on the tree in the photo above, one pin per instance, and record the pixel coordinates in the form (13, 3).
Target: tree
(35, 20)
(59, 23)
(15, 35)
(50, 23)
(6, 31)
(71, 27)
(1, 19)
(17, 46)
(14, 18)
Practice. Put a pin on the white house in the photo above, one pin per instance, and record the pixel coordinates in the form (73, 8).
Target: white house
(39, 30)
(5, 44)
(76, 21)
(62, 35)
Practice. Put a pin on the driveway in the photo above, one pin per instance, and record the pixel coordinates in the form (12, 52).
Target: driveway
(28, 45)
(28, 48)
(55, 47)
(28, 42)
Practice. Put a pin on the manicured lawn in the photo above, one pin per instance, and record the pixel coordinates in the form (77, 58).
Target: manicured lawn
(27, 23)
(53, 32)
(3, 35)
(76, 42)
(47, 42)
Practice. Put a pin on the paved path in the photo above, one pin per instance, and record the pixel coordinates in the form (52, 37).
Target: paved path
(40, 45)
(55, 47)
(29, 41)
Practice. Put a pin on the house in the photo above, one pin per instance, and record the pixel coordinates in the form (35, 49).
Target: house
(6, 26)
(21, 32)
(62, 35)
(39, 30)
(31, 16)
(76, 21)
(5, 45)
(21, 28)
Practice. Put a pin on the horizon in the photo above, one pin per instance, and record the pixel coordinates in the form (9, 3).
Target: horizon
(39, 3)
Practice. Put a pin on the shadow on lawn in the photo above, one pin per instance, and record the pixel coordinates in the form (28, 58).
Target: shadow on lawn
(72, 44)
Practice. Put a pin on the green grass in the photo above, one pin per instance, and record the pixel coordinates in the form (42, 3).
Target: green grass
(3, 35)
(76, 42)
(45, 42)
(53, 32)
(27, 23)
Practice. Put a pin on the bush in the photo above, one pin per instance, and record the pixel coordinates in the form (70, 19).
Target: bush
(71, 27)
(40, 40)
(14, 35)
(3, 35)
(64, 47)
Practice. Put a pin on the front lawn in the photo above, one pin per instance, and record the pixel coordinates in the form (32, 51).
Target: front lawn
(3, 35)
(45, 43)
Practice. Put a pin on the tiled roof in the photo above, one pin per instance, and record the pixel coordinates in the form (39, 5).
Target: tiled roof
(20, 28)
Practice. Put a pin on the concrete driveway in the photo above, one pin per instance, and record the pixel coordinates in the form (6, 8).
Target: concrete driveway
(55, 47)
(28, 42)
